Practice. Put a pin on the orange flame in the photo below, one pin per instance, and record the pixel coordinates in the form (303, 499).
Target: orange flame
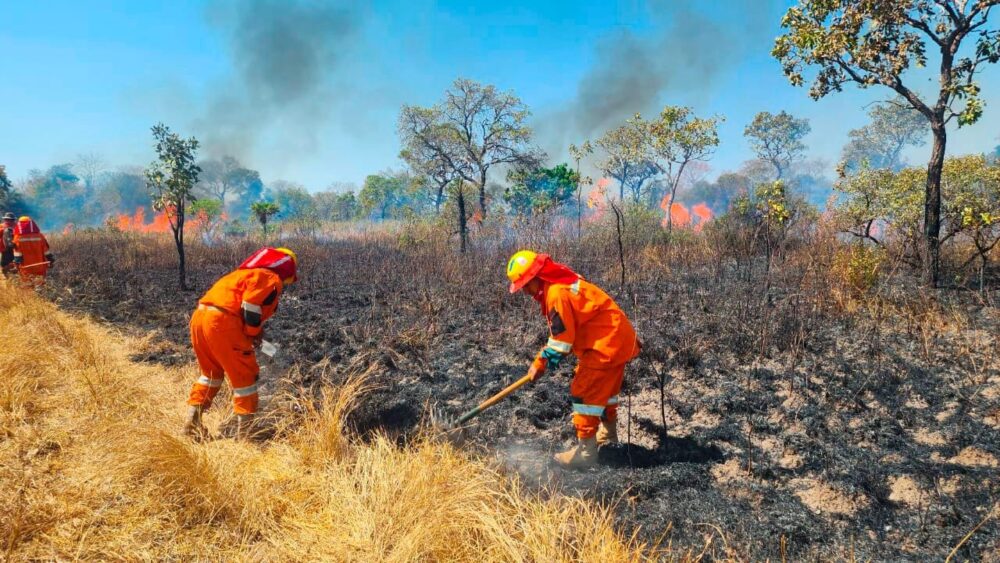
(136, 223)
(597, 200)
(703, 213)
(680, 216)
(68, 229)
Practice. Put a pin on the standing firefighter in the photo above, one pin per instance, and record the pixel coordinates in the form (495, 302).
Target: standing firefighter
(7, 243)
(31, 252)
(586, 321)
(225, 327)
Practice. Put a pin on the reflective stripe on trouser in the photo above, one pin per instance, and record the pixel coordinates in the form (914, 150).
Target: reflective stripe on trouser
(223, 351)
(595, 397)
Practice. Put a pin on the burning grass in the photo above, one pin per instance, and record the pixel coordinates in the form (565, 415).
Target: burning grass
(91, 468)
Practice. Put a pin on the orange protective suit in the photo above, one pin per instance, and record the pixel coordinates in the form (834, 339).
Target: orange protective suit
(228, 318)
(586, 321)
(31, 252)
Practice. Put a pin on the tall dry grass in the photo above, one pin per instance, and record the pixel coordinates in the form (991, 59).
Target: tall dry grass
(91, 468)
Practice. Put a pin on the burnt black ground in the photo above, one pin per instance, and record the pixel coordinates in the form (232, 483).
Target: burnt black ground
(770, 400)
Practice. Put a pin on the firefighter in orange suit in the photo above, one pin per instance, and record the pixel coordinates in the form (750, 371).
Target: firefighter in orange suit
(587, 322)
(32, 256)
(225, 327)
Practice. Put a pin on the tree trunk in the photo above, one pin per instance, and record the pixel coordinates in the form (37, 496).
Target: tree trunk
(579, 202)
(482, 194)
(463, 230)
(439, 198)
(932, 206)
(179, 242)
(673, 194)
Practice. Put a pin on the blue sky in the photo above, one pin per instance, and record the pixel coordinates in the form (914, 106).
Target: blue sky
(94, 76)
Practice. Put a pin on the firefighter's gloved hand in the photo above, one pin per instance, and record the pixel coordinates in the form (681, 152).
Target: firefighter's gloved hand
(552, 357)
(537, 368)
(50, 259)
(19, 260)
(257, 340)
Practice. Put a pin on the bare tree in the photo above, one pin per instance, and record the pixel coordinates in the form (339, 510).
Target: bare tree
(224, 177)
(88, 167)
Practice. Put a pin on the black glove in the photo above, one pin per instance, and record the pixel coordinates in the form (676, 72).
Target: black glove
(51, 259)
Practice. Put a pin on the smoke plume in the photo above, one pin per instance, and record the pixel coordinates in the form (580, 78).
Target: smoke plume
(683, 59)
(289, 62)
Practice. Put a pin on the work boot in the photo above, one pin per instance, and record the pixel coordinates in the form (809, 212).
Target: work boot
(244, 426)
(580, 456)
(607, 433)
(193, 426)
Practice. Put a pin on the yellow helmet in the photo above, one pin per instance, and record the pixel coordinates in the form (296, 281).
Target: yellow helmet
(521, 268)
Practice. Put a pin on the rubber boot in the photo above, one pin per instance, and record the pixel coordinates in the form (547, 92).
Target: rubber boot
(607, 433)
(193, 426)
(244, 426)
(580, 456)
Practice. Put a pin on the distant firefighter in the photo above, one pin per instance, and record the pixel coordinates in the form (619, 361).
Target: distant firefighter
(32, 256)
(585, 321)
(7, 244)
(226, 327)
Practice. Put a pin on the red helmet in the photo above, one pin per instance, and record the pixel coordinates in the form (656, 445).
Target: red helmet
(281, 261)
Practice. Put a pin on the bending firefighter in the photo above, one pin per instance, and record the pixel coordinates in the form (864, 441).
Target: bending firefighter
(227, 324)
(32, 256)
(585, 321)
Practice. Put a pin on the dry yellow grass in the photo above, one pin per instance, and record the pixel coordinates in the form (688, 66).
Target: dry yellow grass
(92, 468)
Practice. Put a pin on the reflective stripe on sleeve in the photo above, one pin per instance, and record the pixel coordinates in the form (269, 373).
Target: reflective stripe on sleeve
(559, 346)
(203, 380)
(245, 391)
(590, 410)
(613, 400)
(29, 239)
(252, 308)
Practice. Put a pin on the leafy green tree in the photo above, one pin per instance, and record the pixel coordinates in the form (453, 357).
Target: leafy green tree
(172, 178)
(337, 206)
(893, 126)
(717, 195)
(226, 177)
(263, 211)
(295, 202)
(427, 162)
(383, 195)
(972, 205)
(10, 200)
(677, 139)
(876, 43)
(123, 191)
(777, 139)
(539, 190)
(55, 195)
(625, 157)
(207, 213)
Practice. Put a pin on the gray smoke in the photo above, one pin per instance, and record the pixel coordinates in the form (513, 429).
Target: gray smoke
(290, 59)
(683, 59)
